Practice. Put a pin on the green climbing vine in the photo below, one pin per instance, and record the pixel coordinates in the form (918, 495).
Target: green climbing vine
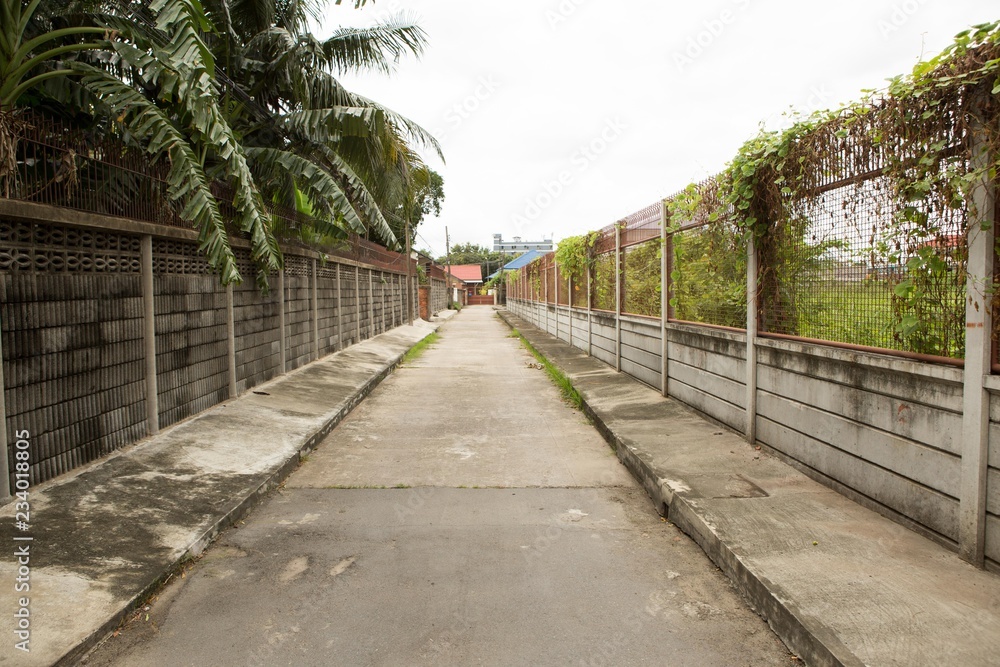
(896, 170)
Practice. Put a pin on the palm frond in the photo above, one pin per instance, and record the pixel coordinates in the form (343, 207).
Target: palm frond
(377, 48)
(186, 180)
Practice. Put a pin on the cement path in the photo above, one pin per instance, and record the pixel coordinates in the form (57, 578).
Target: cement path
(557, 557)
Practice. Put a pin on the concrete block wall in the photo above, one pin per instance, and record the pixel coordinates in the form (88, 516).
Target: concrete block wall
(256, 320)
(603, 337)
(366, 303)
(299, 344)
(993, 481)
(883, 430)
(640, 350)
(192, 358)
(439, 295)
(327, 302)
(72, 342)
(73, 331)
(349, 304)
(707, 370)
(378, 302)
(887, 429)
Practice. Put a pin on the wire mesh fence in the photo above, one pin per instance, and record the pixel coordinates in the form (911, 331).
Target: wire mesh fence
(865, 261)
(708, 261)
(860, 264)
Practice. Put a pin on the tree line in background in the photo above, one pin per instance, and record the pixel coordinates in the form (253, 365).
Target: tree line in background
(231, 92)
(472, 253)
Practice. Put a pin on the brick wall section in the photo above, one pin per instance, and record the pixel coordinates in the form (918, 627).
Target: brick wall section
(71, 311)
(298, 312)
(424, 302)
(192, 363)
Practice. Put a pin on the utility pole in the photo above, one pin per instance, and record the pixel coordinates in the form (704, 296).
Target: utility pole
(447, 251)
(409, 279)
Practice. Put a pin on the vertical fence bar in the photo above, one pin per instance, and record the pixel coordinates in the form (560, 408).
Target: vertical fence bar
(231, 338)
(751, 353)
(664, 302)
(149, 336)
(4, 451)
(978, 353)
(618, 297)
(281, 318)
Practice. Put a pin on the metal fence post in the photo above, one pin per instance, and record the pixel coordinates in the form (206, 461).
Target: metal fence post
(149, 336)
(978, 354)
(664, 302)
(618, 296)
(751, 353)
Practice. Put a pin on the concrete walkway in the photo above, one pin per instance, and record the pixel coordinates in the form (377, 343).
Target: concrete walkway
(108, 534)
(464, 514)
(841, 585)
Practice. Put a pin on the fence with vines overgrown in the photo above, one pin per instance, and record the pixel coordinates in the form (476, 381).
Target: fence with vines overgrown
(857, 220)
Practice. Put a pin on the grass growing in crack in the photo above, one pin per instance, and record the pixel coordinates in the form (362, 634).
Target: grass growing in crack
(569, 393)
(419, 348)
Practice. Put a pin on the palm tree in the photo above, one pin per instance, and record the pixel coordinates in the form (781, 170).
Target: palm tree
(346, 155)
(287, 134)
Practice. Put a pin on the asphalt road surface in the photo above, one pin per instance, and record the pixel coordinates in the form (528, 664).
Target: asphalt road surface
(464, 514)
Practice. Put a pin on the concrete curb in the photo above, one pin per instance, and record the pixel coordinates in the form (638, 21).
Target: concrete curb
(812, 641)
(242, 506)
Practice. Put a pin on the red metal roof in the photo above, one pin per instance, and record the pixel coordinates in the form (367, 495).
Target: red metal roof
(470, 273)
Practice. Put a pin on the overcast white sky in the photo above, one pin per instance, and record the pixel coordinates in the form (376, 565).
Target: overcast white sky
(561, 116)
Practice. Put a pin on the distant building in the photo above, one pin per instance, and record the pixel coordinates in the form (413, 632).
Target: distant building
(471, 276)
(518, 246)
(523, 260)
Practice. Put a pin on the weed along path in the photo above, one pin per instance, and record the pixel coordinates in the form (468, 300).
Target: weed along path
(464, 514)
